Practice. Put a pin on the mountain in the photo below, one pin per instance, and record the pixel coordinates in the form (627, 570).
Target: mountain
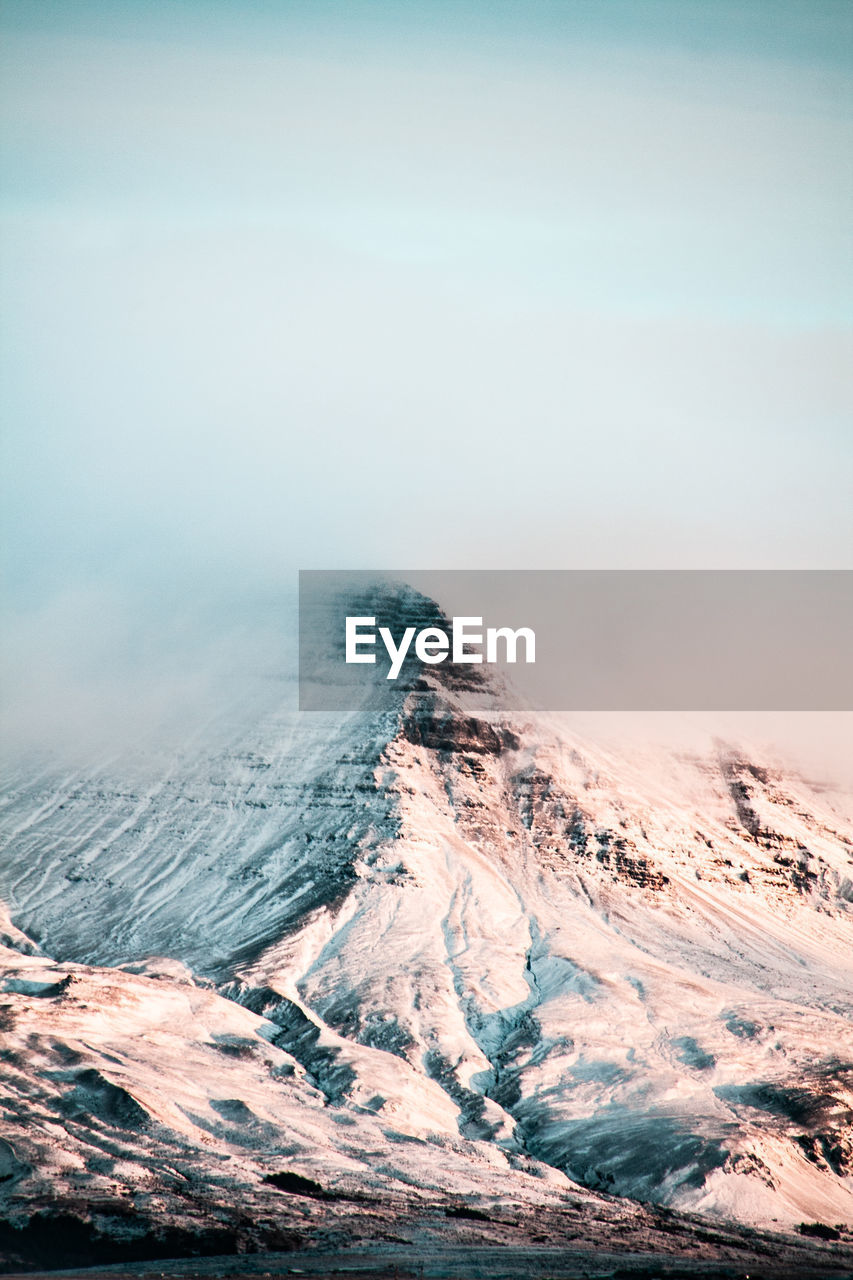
(425, 972)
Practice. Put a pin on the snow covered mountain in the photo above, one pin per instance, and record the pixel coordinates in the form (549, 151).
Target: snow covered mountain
(437, 963)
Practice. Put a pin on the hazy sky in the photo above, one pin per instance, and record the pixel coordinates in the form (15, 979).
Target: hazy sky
(453, 284)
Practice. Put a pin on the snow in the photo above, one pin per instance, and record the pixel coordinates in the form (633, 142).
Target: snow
(409, 968)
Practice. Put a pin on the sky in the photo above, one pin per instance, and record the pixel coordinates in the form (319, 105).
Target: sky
(540, 284)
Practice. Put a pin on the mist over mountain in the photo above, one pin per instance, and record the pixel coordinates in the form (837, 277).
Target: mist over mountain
(433, 985)
(420, 971)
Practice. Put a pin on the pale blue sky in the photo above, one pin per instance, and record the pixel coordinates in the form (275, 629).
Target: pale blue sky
(443, 284)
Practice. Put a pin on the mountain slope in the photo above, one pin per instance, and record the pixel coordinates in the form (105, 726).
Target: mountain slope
(552, 964)
(640, 992)
(146, 1116)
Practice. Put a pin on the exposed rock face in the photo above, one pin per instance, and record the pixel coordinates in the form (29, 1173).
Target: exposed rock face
(432, 957)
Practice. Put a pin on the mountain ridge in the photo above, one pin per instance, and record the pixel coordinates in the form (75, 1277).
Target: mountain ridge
(624, 969)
